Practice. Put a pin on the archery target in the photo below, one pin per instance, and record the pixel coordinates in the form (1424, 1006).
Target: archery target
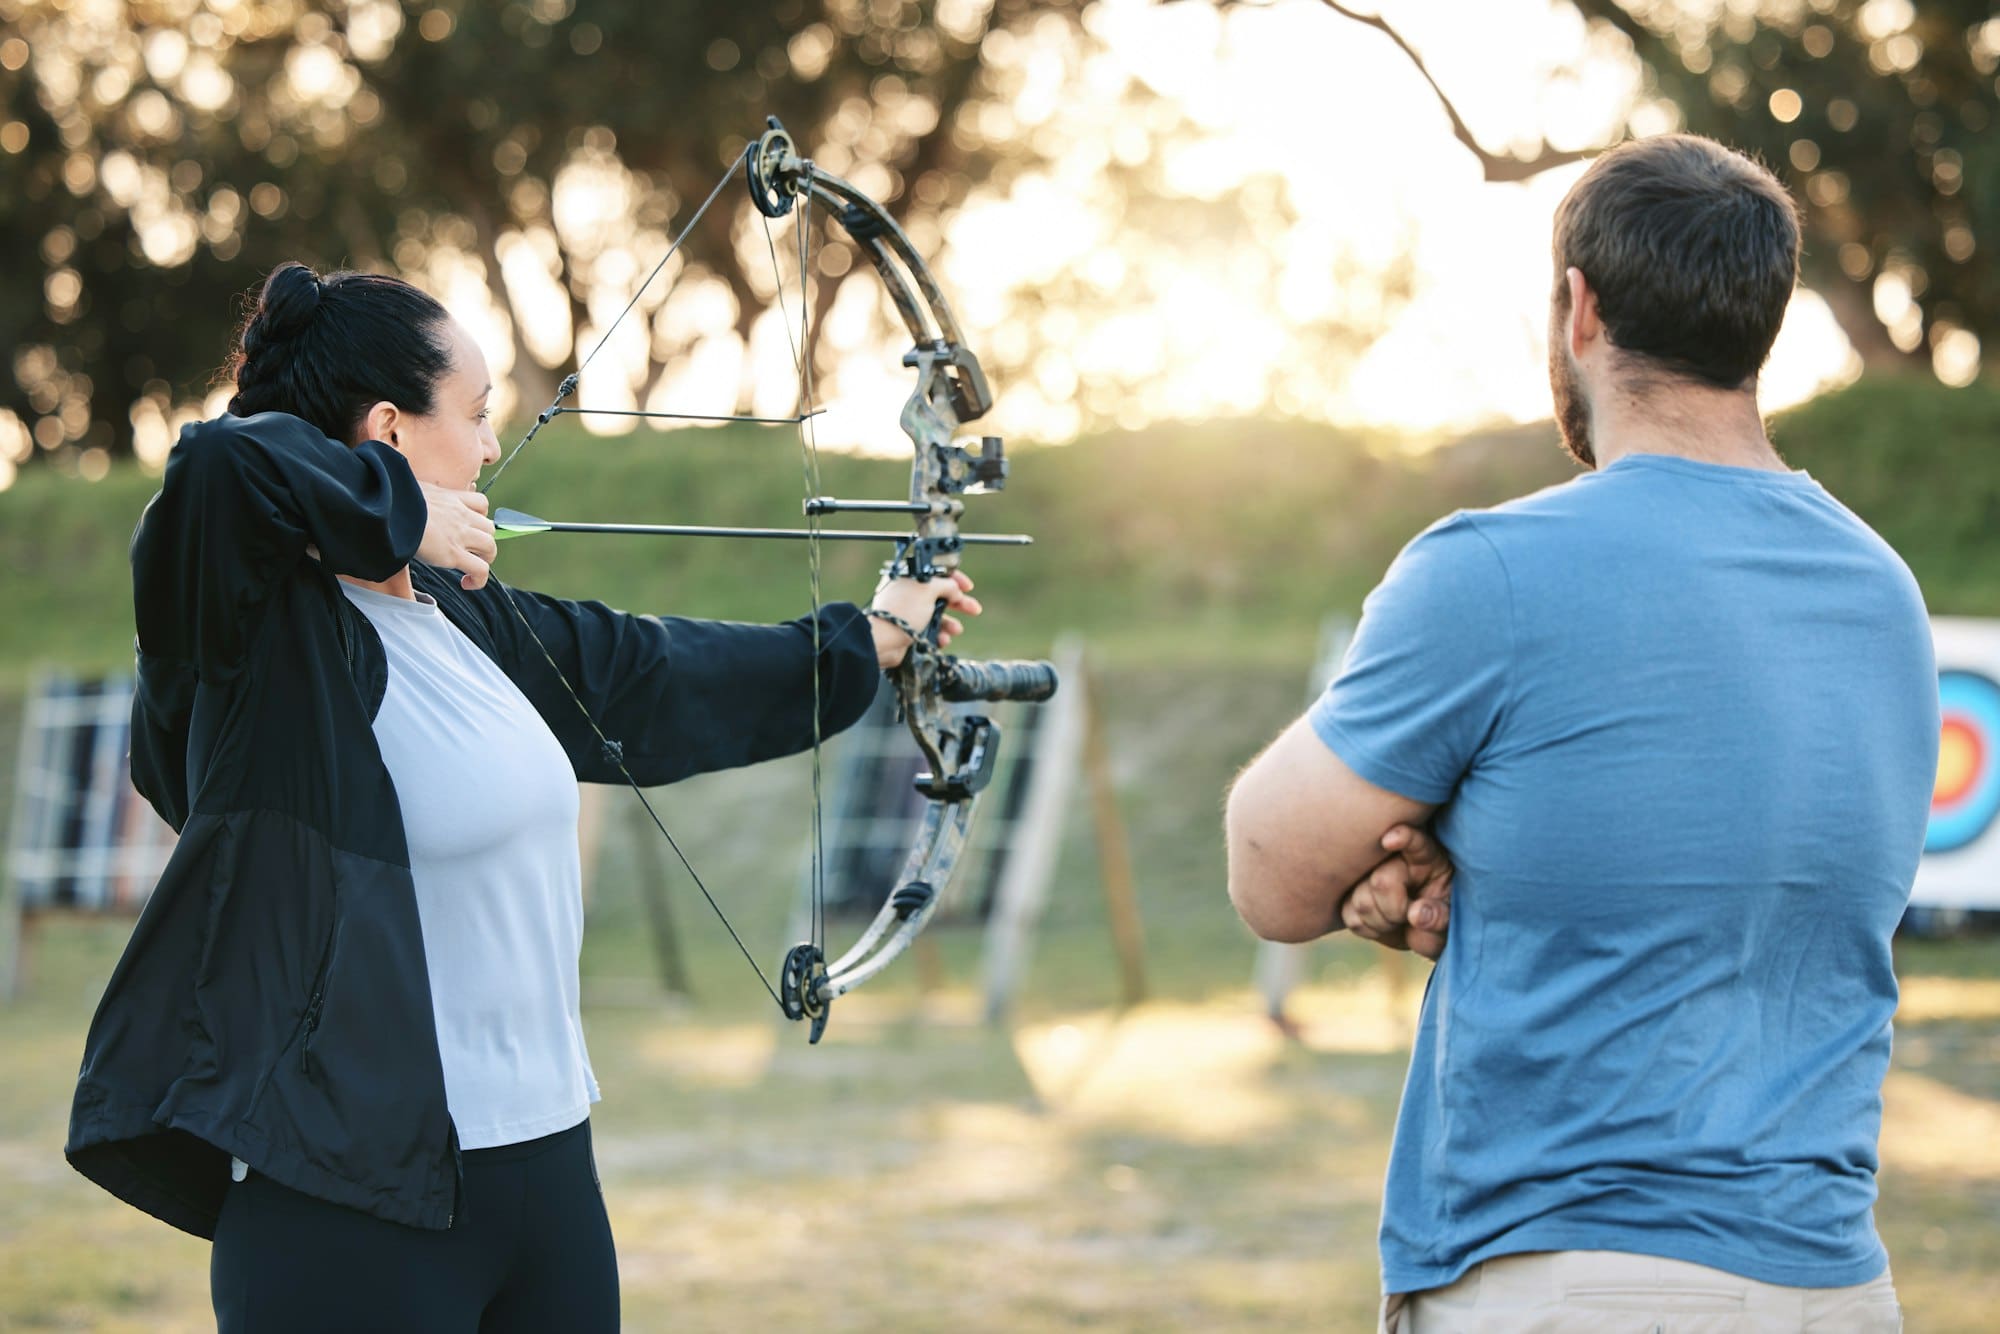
(1961, 862)
(1966, 797)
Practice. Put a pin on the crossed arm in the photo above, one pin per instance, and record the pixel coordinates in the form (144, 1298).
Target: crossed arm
(1314, 847)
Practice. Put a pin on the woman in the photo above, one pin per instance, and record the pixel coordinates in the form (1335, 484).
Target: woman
(344, 1040)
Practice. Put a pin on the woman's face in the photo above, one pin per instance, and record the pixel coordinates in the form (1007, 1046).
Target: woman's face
(450, 444)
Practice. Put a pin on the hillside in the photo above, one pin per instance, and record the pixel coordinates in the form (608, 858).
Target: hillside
(1214, 543)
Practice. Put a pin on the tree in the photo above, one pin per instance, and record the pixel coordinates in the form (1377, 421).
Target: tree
(153, 154)
(1877, 115)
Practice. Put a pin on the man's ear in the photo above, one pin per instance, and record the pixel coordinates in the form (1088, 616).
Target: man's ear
(379, 423)
(1585, 324)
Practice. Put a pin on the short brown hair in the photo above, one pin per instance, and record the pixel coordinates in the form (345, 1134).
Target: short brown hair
(1692, 250)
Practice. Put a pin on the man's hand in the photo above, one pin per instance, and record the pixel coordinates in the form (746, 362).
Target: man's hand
(1405, 902)
(458, 535)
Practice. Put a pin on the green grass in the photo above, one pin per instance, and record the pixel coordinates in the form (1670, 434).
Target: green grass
(1919, 464)
(1220, 542)
(1225, 542)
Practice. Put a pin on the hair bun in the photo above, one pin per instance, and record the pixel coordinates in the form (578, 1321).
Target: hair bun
(289, 302)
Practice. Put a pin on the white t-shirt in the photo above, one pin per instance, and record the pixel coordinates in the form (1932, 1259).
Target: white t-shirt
(490, 809)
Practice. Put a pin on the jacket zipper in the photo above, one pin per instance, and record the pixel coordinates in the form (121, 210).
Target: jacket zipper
(310, 1019)
(302, 1031)
(307, 1025)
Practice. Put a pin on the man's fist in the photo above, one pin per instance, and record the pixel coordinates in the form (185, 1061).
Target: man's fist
(1405, 902)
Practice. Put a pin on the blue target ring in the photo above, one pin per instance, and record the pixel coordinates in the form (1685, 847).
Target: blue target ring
(1966, 798)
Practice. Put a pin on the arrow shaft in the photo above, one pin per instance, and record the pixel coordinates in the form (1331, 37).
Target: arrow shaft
(685, 416)
(795, 534)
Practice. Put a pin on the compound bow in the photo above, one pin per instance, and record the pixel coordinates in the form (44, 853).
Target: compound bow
(951, 390)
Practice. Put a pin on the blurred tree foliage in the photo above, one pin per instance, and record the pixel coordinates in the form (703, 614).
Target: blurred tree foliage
(156, 155)
(1880, 114)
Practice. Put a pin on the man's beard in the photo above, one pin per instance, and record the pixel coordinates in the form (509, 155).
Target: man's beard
(1572, 408)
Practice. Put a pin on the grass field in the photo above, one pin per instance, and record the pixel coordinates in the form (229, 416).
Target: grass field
(1178, 1166)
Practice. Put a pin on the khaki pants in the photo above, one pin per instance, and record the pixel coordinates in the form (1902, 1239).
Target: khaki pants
(1610, 1292)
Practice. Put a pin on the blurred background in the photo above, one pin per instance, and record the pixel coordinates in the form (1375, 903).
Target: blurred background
(1261, 289)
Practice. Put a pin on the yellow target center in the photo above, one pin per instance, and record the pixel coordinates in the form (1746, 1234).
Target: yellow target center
(1959, 761)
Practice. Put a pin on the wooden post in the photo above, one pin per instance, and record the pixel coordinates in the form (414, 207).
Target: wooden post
(1114, 856)
(1071, 742)
(1280, 966)
(1031, 861)
(27, 834)
(929, 961)
(652, 891)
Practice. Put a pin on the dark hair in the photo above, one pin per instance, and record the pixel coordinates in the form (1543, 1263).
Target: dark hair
(328, 349)
(1692, 250)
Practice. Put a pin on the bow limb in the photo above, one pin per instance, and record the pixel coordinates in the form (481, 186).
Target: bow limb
(928, 868)
(778, 175)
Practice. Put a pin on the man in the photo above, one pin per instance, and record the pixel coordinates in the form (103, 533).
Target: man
(1677, 723)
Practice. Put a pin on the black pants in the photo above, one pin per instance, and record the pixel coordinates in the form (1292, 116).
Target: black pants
(530, 1252)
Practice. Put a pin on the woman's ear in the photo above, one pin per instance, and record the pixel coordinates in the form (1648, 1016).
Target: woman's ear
(379, 423)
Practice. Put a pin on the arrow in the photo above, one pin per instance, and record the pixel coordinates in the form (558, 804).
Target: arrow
(512, 523)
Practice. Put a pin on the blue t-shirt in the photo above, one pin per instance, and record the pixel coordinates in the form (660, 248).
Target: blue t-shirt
(1682, 720)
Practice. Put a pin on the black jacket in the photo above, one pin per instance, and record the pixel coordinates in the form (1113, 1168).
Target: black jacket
(273, 1002)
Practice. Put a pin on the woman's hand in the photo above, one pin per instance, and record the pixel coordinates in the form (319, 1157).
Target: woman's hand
(458, 535)
(914, 603)
(1405, 902)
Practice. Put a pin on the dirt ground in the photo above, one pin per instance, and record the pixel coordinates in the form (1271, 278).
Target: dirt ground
(1181, 1166)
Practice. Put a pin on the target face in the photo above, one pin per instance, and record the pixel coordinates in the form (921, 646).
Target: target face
(1966, 798)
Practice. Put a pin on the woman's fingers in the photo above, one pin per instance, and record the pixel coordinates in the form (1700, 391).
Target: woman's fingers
(478, 546)
(481, 541)
(473, 572)
(458, 535)
(954, 593)
(917, 602)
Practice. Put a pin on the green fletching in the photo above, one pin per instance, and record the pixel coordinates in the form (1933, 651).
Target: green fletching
(513, 523)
